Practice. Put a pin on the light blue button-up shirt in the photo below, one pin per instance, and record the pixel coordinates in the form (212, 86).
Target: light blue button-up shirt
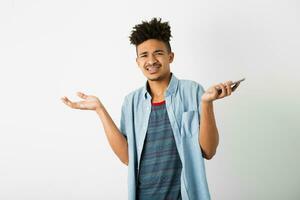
(183, 102)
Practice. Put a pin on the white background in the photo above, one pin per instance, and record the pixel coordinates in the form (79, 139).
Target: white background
(50, 49)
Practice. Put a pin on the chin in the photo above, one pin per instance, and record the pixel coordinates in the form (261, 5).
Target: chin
(154, 77)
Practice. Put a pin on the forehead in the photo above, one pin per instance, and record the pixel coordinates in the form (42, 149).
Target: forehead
(151, 45)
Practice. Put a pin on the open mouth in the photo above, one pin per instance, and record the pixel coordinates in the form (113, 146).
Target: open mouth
(152, 69)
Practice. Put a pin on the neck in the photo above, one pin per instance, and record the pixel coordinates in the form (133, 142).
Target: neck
(158, 88)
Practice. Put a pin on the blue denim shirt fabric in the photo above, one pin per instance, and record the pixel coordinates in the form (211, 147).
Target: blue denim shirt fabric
(183, 102)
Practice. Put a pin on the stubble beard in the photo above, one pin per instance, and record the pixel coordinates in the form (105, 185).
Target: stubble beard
(155, 79)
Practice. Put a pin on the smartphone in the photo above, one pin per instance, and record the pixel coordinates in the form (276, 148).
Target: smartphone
(233, 85)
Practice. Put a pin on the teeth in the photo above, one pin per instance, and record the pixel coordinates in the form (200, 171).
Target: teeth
(151, 67)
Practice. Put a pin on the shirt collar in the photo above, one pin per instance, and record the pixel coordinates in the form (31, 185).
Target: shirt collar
(170, 90)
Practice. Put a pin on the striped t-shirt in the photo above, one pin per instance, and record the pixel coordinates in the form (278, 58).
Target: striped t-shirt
(160, 165)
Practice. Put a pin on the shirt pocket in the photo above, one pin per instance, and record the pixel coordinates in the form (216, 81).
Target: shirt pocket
(190, 123)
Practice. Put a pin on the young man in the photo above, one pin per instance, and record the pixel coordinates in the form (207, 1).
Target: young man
(167, 126)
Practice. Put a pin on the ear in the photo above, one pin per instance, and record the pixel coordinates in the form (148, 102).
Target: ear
(171, 57)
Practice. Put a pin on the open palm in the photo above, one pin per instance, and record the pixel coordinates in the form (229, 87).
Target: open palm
(90, 102)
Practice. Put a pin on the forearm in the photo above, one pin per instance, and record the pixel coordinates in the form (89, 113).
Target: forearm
(115, 138)
(209, 137)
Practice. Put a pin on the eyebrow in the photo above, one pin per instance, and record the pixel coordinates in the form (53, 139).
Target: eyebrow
(156, 51)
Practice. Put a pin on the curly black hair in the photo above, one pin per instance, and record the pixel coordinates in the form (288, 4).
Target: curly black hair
(154, 29)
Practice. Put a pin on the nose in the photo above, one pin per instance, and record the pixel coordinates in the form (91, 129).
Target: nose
(151, 60)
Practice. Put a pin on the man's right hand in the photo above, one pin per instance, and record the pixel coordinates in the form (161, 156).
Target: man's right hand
(89, 103)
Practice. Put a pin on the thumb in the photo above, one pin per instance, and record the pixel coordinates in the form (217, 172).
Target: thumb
(81, 95)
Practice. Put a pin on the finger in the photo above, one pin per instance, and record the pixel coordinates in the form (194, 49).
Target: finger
(82, 95)
(220, 87)
(68, 102)
(228, 87)
(217, 89)
(74, 105)
(229, 82)
(64, 99)
(224, 91)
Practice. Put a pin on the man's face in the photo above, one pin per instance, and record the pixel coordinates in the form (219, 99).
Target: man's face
(154, 59)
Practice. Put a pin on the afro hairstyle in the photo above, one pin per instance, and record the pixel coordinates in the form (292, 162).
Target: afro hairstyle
(154, 29)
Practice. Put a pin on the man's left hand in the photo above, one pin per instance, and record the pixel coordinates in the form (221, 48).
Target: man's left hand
(211, 93)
